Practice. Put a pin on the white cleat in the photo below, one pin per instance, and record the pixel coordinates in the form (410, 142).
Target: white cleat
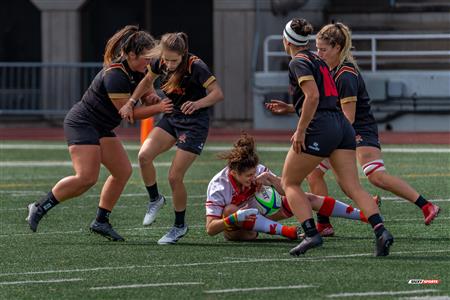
(174, 234)
(152, 210)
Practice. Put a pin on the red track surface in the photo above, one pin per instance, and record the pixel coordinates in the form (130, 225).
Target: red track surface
(227, 135)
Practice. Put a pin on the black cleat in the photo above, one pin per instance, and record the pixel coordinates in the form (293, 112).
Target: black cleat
(106, 230)
(306, 244)
(383, 243)
(35, 214)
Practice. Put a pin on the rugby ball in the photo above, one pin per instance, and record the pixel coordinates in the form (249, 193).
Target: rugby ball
(268, 201)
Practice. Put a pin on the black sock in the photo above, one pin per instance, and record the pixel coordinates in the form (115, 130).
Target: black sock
(323, 219)
(377, 224)
(179, 218)
(309, 227)
(102, 215)
(153, 192)
(421, 202)
(48, 202)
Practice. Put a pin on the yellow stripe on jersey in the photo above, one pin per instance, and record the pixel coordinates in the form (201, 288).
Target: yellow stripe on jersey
(209, 81)
(149, 69)
(348, 99)
(305, 78)
(115, 96)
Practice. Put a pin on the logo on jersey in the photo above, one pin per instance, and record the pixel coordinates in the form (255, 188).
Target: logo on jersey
(314, 146)
(358, 139)
(182, 138)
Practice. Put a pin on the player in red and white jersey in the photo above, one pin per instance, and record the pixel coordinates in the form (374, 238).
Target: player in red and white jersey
(232, 208)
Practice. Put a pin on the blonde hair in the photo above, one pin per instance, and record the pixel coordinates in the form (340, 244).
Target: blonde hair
(339, 34)
(176, 42)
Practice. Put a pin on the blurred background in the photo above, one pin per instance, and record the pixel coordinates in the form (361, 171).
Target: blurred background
(50, 50)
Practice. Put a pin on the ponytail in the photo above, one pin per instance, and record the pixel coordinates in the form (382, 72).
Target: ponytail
(126, 40)
(339, 34)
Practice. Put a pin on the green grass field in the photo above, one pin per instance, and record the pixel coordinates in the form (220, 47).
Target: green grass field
(63, 260)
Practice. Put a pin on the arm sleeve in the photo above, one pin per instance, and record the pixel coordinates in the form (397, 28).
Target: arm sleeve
(117, 84)
(201, 74)
(215, 202)
(302, 70)
(347, 85)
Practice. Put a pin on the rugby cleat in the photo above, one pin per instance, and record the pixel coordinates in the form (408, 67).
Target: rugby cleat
(325, 230)
(153, 209)
(430, 211)
(174, 234)
(105, 229)
(306, 244)
(35, 214)
(383, 243)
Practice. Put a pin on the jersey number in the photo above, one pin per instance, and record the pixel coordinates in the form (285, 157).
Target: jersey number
(328, 82)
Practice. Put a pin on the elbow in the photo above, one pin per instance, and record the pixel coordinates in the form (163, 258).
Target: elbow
(220, 96)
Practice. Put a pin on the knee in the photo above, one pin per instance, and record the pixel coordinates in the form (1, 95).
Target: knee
(229, 209)
(377, 179)
(87, 181)
(175, 180)
(144, 158)
(125, 173)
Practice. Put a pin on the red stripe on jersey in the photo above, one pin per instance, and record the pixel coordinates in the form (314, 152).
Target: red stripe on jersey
(302, 56)
(216, 205)
(192, 59)
(214, 216)
(239, 196)
(345, 69)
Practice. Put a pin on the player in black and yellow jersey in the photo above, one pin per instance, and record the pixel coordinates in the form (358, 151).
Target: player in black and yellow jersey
(188, 82)
(88, 129)
(322, 131)
(334, 46)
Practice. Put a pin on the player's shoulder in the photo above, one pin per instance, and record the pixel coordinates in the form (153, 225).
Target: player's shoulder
(195, 63)
(346, 70)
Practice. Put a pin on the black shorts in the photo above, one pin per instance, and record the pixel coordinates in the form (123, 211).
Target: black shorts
(367, 136)
(190, 131)
(79, 131)
(328, 131)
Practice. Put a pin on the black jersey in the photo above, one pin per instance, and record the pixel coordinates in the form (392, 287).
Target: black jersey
(308, 66)
(117, 81)
(351, 88)
(193, 84)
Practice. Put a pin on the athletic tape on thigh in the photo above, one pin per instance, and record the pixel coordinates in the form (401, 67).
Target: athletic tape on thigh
(324, 165)
(373, 166)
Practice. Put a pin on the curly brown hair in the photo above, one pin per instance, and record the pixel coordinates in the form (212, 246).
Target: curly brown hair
(243, 156)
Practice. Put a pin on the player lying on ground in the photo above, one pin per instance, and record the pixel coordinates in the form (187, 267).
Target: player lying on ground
(234, 205)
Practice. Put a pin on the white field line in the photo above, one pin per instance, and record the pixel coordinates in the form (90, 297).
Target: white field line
(40, 281)
(228, 262)
(67, 163)
(81, 230)
(220, 148)
(258, 289)
(389, 293)
(426, 298)
(135, 286)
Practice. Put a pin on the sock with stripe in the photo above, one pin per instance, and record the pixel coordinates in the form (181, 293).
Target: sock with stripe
(265, 225)
(336, 208)
(377, 224)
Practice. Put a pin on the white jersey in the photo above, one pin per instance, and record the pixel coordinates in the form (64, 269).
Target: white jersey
(223, 191)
